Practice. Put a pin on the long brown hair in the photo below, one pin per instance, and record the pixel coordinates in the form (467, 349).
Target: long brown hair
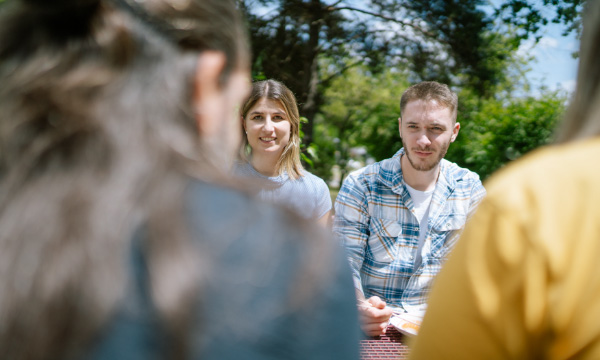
(97, 136)
(583, 117)
(272, 89)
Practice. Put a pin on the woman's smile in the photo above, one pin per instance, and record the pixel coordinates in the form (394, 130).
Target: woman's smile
(267, 127)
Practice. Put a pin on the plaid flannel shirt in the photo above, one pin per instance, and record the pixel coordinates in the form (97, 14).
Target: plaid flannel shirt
(375, 222)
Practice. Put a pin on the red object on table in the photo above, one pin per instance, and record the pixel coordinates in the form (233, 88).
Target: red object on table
(389, 346)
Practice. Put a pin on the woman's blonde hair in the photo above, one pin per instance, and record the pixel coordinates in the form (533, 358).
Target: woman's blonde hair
(289, 160)
(583, 117)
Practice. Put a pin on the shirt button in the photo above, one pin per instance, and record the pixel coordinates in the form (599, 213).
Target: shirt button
(411, 257)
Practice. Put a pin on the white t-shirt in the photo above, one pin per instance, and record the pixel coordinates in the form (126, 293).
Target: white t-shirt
(421, 201)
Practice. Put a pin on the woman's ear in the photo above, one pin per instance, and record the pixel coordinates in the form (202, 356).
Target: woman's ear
(208, 94)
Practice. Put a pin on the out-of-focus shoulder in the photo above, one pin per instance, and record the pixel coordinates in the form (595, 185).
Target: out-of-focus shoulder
(225, 212)
(548, 170)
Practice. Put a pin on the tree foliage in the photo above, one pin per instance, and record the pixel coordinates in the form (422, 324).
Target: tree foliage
(528, 16)
(359, 109)
(362, 109)
(450, 41)
(497, 131)
(349, 61)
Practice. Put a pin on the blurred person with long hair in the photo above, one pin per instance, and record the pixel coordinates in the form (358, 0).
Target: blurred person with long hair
(523, 281)
(271, 125)
(117, 120)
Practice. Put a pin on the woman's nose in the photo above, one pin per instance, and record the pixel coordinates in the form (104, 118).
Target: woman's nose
(268, 124)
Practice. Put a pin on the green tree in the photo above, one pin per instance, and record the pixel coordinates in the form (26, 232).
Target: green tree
(433, 38)
(528, 17)
(381, 46)
(361, 109)
(497, 131)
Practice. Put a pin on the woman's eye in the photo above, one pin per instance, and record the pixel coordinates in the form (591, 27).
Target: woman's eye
(257, 117)
(278, 118)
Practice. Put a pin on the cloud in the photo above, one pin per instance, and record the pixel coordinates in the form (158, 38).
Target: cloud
(525, 47)
(572, 46)
(548, 43)
(568, 85)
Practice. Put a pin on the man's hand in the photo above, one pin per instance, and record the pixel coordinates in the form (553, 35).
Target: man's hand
(374, 316)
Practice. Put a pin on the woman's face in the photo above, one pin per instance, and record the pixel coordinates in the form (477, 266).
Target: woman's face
(267, 127)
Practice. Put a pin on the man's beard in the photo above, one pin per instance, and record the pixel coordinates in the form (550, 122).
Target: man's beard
(430, 165)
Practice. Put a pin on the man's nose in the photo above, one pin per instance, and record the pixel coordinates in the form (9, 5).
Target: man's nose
(423, 140)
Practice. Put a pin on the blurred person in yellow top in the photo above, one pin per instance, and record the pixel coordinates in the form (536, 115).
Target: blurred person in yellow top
(524, 279)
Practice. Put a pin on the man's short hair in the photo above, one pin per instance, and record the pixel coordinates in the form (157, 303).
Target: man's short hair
(431, 91)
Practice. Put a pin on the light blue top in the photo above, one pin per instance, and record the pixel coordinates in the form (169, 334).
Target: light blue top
(308, 195)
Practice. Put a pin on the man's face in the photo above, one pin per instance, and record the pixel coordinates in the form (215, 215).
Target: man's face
(426, 129)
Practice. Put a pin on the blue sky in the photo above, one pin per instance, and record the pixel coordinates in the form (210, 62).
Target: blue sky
(553, 65)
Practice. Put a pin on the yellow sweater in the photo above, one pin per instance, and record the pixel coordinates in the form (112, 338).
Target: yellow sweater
(524, 279)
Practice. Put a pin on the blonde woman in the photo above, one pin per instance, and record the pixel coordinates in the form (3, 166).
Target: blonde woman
(270, 121)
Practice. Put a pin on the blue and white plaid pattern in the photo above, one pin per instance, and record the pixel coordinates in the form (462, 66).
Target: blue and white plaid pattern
(375, 222)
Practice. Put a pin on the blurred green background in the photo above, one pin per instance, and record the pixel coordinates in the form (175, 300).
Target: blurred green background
(349, 61)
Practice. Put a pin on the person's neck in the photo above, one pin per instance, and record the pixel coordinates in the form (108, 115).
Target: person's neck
(265, 164)
(419, 180)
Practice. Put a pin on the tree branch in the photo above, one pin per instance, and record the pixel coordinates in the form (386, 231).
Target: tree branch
(340, 72)
(387, 18)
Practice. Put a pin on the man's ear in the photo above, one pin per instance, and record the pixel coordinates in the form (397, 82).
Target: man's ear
(400, 126)
(455, 132)
(207, 91)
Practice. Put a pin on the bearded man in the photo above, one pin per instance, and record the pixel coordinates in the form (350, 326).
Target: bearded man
(400, 217)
